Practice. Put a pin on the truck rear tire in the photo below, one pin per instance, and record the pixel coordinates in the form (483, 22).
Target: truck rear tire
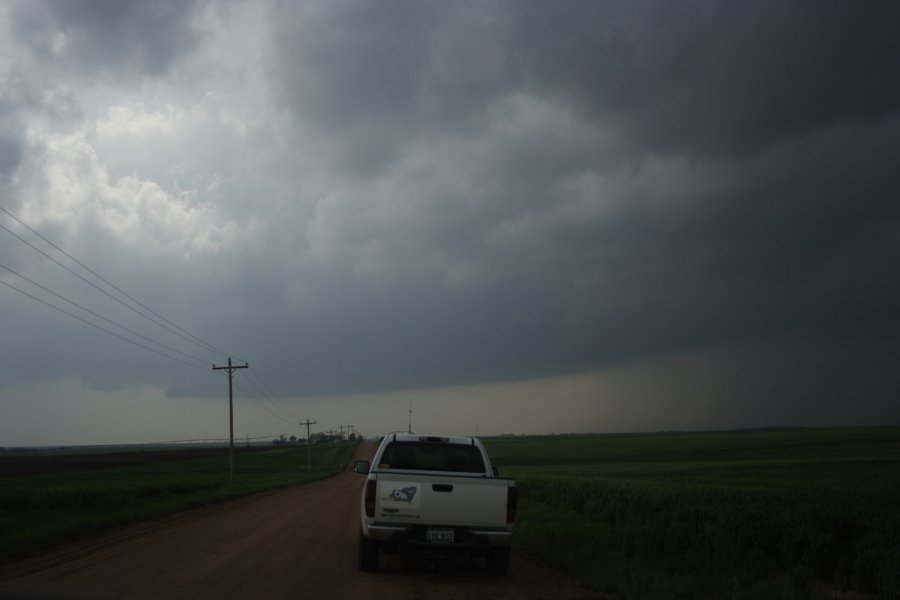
(368, 553)
(497, 560)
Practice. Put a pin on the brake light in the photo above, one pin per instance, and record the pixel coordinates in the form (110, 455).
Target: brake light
(370, 498)
(512, 504)
(432, 438)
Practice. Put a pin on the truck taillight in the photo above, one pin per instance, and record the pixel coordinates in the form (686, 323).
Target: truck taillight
(370, 498)
(512, 504)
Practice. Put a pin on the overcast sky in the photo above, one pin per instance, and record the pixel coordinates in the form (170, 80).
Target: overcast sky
(521, 216)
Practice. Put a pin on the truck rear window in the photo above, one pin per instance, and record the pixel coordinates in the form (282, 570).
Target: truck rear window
(426, 456)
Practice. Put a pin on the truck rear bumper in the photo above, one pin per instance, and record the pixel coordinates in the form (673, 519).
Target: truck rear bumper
(414, 536)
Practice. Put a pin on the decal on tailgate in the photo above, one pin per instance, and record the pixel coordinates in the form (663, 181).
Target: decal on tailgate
(400, 494)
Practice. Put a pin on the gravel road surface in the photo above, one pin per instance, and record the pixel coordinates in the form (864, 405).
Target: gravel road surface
(294, 543)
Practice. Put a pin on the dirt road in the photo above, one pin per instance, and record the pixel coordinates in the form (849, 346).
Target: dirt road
(295, 543)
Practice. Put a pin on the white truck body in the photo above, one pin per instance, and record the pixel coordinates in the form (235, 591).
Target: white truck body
(435, 495)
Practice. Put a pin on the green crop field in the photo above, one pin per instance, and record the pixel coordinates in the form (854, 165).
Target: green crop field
(806, 513)
(802, 513)
(41, 511)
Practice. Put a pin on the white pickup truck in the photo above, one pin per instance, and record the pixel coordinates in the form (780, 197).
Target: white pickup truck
(435, 495)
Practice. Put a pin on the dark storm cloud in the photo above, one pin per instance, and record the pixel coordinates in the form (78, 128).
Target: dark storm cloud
(105, 36)
(11, 129)
(711, 77)
(10, 152)
(479, 192)
(697, 78)
(750, 149)
(375, 75)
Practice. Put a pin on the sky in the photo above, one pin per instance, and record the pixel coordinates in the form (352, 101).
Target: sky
(511, 216)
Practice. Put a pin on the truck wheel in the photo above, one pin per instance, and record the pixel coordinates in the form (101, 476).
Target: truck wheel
(368, 553)
(498, 560)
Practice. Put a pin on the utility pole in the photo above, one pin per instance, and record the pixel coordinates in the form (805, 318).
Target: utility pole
(231, 369)
(308, 423)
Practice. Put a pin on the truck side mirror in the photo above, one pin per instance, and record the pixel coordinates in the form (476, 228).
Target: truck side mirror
(361, 467)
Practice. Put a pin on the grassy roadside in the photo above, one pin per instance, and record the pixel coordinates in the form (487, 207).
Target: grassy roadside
(771, 514)
(39, 512)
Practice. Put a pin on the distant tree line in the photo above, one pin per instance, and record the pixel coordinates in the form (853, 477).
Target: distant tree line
(316, 438)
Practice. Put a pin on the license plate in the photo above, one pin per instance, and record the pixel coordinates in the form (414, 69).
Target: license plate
(440, 535)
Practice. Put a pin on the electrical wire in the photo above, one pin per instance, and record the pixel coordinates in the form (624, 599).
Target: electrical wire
(261, 394)
(197, 339)
(162, 322)
(268, 391)
(99, 316)
(256, 400)
(103, 329)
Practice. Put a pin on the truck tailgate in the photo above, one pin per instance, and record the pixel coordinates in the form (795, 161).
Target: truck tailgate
(412, 499)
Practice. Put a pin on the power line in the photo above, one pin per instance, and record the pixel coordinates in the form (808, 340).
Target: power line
(162, 322)
(259, 403)
(95, 286)
(99, 316)
(199, 340)
(271, 394)
(273, 401)
(103, 329)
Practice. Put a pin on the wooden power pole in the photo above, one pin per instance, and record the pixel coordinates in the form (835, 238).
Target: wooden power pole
(308, 423)
(231, 369)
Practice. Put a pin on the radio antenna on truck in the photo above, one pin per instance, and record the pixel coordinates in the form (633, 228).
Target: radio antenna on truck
(409, 429)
